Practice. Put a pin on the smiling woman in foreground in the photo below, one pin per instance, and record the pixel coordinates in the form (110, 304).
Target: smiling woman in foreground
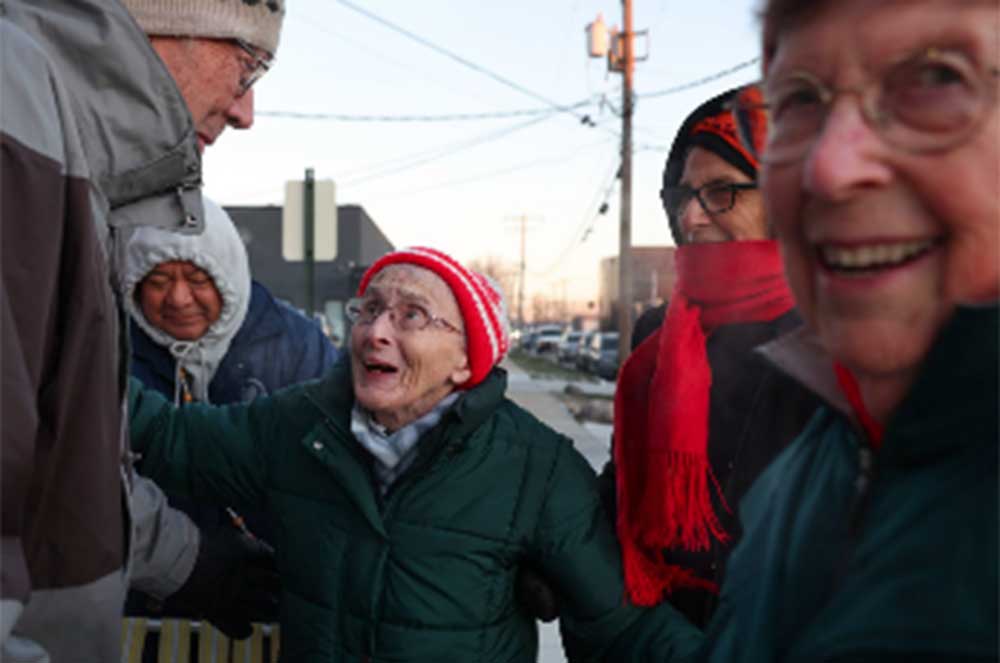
(407, 491)
(873, 537)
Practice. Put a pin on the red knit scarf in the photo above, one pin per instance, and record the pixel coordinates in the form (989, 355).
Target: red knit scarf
(661, 411)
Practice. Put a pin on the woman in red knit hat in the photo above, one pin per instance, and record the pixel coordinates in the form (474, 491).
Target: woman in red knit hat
(408, 492)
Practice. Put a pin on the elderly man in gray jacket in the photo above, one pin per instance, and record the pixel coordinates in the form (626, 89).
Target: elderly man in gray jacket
(101, 128)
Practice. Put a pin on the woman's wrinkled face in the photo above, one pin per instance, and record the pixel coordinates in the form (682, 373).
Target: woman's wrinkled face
(180, 298)
(744, 221)
(401, 375)
(880, 243)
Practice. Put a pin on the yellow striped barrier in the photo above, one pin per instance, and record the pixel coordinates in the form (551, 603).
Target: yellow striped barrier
(176, 637)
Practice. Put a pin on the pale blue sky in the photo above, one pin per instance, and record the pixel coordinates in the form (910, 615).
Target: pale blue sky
(335, 60)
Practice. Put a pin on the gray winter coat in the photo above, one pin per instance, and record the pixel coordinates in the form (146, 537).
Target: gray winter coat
(95, 137)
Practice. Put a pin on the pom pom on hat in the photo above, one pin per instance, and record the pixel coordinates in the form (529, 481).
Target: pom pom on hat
(257, 22)
(484, 313)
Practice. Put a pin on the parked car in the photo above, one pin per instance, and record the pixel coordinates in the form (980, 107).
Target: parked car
(547, 340)
(568, 344)
(602, 355)
(580, 358)
(528, 339)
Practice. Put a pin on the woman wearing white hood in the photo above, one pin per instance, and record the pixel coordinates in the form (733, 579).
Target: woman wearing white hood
(204, 331)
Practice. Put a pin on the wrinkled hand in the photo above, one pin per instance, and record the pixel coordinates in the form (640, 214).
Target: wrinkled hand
(234, 582)
(535, 596)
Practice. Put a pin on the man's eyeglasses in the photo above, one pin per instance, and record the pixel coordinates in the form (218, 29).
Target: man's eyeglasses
(405, 316)
(930, 102)
(254, 69)
(714, 198)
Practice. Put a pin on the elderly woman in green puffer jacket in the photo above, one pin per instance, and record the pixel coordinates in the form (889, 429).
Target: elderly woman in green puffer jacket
(407, 491)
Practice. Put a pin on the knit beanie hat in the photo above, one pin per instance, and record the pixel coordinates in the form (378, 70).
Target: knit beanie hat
(257, 22)
(716, 128)
(484, 312)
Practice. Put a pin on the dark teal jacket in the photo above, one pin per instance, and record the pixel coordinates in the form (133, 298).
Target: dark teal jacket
(849, 555)
(427, 573)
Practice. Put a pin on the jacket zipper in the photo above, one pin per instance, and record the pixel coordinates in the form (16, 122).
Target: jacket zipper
(366, 462)
(862, 488)
(855, 515)
(420, 467)
(386, 506)
(363, 460)
(859, 507)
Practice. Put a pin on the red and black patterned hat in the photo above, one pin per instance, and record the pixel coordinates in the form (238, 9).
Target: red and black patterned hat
(715, 127)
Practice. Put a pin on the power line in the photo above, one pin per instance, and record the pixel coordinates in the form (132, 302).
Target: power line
(447, 152)
(700, 81)
(497, 173)
(450, 117)
(432, 152)
(318, 26)
(369, 168)
(499, 115)
(461, 60)
(586, 226)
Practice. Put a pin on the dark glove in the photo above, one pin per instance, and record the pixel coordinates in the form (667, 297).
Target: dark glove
(234, 582)
(607, 490)
(535, 596)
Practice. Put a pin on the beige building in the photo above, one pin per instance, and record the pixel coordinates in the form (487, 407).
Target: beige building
(653, 277)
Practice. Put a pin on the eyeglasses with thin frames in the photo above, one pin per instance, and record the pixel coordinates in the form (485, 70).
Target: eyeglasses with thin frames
(714, 197)
(253, 70)
(929, 102)
(405, 316)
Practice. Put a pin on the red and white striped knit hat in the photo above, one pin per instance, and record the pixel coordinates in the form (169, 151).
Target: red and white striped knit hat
(487, 329)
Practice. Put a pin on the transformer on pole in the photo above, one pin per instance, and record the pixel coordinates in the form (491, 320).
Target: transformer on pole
(619, 49)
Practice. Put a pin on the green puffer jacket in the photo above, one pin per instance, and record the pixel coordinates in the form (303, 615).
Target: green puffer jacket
(427, 573)
(850, 555)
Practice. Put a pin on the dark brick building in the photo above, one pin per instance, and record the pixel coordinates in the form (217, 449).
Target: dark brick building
(359, 244)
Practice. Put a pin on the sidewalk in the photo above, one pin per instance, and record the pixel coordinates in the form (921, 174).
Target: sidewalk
(536, 397)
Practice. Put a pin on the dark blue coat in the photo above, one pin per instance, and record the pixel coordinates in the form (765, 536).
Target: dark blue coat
(276, 346)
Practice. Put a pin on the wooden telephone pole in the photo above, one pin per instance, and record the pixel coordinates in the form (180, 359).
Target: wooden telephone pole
(523, 221)
(625, 219)
(619, 48)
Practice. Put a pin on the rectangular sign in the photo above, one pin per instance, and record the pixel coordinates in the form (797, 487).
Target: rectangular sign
(324, 221)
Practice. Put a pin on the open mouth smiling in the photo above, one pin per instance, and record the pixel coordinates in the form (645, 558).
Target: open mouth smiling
(375, 366)
(873, 257)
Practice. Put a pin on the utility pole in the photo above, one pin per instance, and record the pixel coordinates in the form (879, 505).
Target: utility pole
(520, 278)
(625, 223)
(563, 302)
(619, 48)
(523, 221)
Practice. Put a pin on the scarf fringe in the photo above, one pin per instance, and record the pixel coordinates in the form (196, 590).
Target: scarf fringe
(648, 577)
(683, 516)
(661, 419)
